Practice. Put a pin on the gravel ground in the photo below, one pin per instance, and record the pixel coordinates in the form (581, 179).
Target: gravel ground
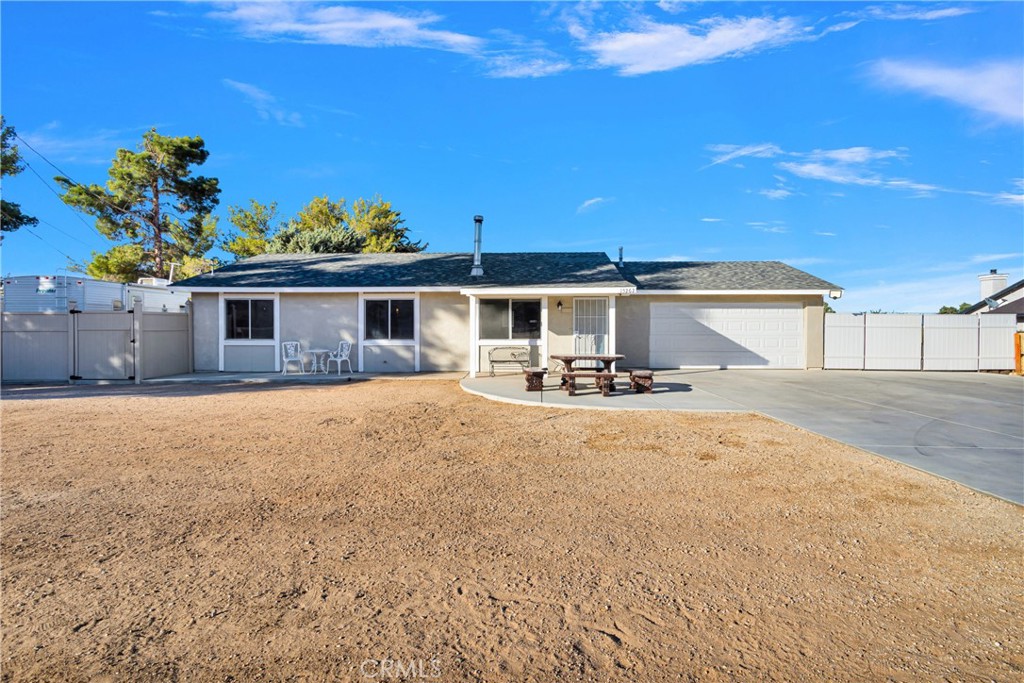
(407, 530)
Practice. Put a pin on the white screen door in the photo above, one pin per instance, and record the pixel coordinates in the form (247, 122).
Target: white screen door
(590, 328)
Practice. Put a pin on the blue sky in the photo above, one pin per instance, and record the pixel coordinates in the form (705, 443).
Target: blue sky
(879, 146)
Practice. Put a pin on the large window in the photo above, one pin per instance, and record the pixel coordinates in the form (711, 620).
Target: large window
(250, 319)
(509, 319)
(389, 319)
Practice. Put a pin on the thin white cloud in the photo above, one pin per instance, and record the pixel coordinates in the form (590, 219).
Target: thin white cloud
(915, 12)
(771, 227)
(993, 258)
(265, 104)
(344, 25)
(711, 220)
(673, 6)
(922, 295)
(94, 147)
(825, 234)
(994, 89)
(591, 204)
(726, 153)
(513, 66)
(804, 261)
(858, 166)
(855, 155)
(834, 173)
(653, 46)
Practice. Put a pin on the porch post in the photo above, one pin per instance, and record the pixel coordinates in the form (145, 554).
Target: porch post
(543, 348)
(474, 338)
(611, 324)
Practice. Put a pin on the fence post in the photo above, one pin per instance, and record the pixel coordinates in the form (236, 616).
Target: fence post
(1018, 362)
(137, 314)
(191, 339)
(72, 349)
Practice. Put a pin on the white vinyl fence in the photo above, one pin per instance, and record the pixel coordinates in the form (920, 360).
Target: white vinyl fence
(123, 345)
(890, 341)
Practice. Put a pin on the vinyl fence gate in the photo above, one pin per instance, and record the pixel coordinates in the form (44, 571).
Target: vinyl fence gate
(103, 345)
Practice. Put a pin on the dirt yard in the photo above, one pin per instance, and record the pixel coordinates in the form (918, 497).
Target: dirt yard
(409, 531)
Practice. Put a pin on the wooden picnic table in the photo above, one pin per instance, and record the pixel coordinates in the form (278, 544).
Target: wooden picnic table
(604, 379)
(608, 360)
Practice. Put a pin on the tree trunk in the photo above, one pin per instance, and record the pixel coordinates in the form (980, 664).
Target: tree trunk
(158, 233)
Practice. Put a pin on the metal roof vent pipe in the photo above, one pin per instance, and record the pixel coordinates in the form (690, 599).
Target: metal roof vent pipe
(620, 258)
(478, 269)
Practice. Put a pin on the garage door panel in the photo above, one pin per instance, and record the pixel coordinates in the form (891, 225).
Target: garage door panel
(726, 335)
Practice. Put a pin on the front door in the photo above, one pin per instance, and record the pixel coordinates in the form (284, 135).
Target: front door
(590, 328)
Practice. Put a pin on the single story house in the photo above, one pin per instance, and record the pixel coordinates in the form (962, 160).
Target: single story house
(445, 311)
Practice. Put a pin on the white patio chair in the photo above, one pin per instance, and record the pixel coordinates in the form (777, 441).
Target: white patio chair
(344, 348)
(291, 352)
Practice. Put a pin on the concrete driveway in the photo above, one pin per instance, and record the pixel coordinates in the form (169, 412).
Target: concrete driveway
(968, 427)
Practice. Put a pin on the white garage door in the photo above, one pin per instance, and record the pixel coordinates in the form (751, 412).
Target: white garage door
(727, 335)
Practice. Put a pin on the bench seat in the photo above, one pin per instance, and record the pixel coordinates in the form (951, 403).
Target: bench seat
(641, 381)
(605, 381)
(534, 378)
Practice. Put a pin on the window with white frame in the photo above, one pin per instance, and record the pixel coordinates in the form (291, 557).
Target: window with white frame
(510, 319)
(389, 319)
(249, 319)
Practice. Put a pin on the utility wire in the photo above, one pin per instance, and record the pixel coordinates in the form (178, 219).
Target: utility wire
(29, 231)
(57, 194)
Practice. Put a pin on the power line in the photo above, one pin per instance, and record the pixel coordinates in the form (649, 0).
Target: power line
(50, 188)
(29, 231)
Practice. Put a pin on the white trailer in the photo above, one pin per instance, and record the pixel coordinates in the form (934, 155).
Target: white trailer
(58, 293)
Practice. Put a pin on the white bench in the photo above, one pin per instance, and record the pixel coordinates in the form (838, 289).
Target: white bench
(517, 357)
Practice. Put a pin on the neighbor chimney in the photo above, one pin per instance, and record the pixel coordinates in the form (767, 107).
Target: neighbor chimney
(620, 257)
(478, 269)
(991, 283)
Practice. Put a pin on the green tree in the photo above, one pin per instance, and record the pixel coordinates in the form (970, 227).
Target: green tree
(153, 201)
(122, 263)
(319, 228)
(953, 309)
(11, 216)
(381, 227)
(254, 229)
(828, 308)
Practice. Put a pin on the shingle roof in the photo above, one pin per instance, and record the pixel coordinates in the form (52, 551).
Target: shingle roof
(1001, 294)
(720, 275)
(273, 271)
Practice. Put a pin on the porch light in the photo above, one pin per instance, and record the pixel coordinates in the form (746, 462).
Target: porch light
(559, 305)
(835, 293)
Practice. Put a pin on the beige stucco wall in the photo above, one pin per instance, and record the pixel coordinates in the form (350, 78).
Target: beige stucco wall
(205, 335)
(814, 328)
(319, 321)
(249, 358)
(444, 332)
(633, 330)
(559, 338)
(389, 358)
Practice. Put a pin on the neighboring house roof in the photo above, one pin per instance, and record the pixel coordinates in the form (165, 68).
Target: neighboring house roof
(720, 275)
(284, 271)
(1012, 307)
(1001, 294)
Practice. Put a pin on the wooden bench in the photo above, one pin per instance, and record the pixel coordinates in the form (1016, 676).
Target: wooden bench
(605, 381)
(509, 356)
(641, 381)
(535, 378)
